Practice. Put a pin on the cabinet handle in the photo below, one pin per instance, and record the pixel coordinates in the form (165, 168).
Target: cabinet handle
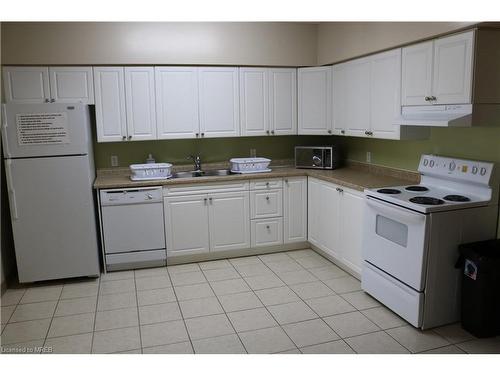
(272, 131)
(267, 198)
(267, 184)
(202, 134)
(366, 132)
(205, 200)
(197, 135)
(267, 132)
(210, 200)
(124, 137)
(427, 98)
(268, 227)
(47, 100)
(329, 132)
(342, 131)
(286, 181)
(52, 100)
(129, 137)
(340, 190)
(433, 98)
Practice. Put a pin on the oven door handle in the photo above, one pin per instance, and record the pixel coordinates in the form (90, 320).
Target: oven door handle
(402, 214)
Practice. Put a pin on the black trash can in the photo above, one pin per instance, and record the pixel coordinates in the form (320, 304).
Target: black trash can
(480, 263)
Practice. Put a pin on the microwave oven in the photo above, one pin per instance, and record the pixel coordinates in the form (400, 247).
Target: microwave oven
(317, 157)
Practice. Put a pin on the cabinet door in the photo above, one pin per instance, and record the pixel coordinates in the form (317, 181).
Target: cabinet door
(351, 210)
(283, 101)
(111, 118)
(313, 209)
(267, 232)
(254, 100)
(219, 102)
(295, 209)
(26, 84)
(452, 77)
(186, 225)
(177, 102)
(72, 84)
(140, 103)
(229, 221)
(385, 94)
(357, 97)
(416, 74)
(314, 97)
(340, 84)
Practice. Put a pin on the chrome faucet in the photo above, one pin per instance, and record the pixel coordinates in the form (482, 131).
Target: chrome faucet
(197, 162)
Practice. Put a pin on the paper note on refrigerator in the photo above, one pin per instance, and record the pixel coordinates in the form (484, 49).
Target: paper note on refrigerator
(42, 128)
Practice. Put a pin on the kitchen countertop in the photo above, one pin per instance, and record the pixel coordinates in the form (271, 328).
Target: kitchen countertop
(356, 176)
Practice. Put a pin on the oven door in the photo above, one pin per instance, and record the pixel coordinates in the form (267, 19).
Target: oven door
(395, 241)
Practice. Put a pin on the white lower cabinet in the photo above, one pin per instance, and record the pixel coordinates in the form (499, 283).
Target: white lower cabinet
(335, 219)
(295, 209)
(229, 221)
(264, 204)
(211, 221)
(186, 225)
(267, 232)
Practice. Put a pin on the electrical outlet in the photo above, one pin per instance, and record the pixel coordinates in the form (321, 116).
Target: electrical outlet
(368, 157)
(114, 161)
(253, 152)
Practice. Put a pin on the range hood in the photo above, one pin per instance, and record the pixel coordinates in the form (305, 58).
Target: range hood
(437, 115)
(451, 115)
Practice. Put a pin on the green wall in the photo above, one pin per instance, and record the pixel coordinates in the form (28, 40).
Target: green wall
(211, 149)
(480, 143)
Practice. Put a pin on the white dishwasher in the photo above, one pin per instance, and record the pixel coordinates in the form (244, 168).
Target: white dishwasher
(133, 228)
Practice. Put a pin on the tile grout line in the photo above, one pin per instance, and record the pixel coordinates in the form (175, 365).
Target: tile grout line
(138, 313)
(52, 318)
(180, 310)
(95, 314)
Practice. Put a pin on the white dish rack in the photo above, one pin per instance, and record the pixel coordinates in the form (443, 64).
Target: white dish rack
(249, 165)
(150, 171)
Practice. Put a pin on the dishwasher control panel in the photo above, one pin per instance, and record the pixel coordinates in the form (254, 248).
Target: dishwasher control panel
(112, 197)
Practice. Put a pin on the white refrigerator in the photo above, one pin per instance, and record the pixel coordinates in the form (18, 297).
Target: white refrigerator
(49, 171)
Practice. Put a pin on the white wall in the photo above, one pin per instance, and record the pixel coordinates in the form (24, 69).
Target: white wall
(253, 43)
(339, 41)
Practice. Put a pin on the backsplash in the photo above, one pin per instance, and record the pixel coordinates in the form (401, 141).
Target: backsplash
(211, 149)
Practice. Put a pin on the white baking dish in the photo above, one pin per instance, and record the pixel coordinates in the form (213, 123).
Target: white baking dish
(249, 165)
(150, 171)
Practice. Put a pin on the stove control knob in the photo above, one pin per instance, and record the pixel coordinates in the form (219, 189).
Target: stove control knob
(452, 166)
(483, 171)
(474, 170)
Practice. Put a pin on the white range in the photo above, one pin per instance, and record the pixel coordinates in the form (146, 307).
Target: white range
(411, 237)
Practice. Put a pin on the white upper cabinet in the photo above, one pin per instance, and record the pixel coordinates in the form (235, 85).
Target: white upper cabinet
(452, 76)
(111, 116)
(140, 103)
(219, 102)
(439, 71)
(254, 101)
(32, 85)
(417, 73)
(295, 209)
(26, 84)
(283, 101)
(71, 84)
(385, 94)
(351, 98)
(314, 100)
(177, 102)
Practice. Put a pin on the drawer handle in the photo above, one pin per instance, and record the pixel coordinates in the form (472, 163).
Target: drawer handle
(210, 200)
(267, 198)
(268, 227)
(267, 184)
(205, 200)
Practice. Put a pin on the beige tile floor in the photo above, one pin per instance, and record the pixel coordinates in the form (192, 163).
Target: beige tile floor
(289, 302)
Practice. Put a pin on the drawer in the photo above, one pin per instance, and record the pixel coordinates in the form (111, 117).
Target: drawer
(266, 203)
(273, 183)
(204, 188)
(267, 232)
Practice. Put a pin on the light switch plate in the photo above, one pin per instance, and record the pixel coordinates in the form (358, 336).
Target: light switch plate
(114, 161)
(368, 157)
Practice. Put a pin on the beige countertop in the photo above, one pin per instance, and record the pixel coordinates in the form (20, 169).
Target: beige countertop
(355, 176)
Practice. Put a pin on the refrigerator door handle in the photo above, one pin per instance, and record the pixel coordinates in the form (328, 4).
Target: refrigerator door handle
(4, 132)
(10, 188)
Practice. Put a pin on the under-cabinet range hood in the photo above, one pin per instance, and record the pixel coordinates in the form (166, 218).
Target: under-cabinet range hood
(455, 115)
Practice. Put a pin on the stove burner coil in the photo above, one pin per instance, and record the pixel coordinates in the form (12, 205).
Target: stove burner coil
(430, 201)
(416, 188)
(456, 198)
(389, 191)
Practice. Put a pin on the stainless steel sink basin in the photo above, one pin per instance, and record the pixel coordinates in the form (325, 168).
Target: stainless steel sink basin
(191, 174)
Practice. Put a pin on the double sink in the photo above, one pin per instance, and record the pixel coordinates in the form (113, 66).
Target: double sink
(191, 174)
